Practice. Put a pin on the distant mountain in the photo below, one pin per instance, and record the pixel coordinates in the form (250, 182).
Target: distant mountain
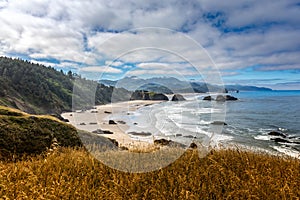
(35, 88)
(246, 88)
(157, 88)
(169, 85)
(108, 82)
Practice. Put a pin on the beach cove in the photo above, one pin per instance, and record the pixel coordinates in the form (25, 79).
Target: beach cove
(251, 121)
(98, 120)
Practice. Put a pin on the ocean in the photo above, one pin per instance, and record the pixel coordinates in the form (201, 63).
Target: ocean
(249, 121)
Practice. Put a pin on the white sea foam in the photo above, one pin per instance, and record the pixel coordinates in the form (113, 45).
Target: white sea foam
(287, 151)
(218, 139)
(205, 111)
(262, 137)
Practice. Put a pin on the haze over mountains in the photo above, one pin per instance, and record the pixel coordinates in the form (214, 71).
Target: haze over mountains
(171, 85)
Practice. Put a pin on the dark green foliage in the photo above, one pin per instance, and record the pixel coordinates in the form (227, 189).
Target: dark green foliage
(22, 134)
(35, 88)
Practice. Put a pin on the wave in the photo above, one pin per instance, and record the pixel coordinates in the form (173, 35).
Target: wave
(287, 151)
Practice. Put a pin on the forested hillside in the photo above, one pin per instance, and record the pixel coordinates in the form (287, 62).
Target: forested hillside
(35, 88)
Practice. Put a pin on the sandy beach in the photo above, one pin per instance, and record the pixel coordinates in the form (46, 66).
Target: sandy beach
(98, 119)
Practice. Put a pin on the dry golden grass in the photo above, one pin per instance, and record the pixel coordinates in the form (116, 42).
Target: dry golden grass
(223, 174)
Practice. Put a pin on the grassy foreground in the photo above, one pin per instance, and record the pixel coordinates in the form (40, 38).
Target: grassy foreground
(223, 174)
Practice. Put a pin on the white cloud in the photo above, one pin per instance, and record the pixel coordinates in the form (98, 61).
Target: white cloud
(127, 67)
(162, 72)
(153, 65)
(262, 33)
(102, 69)
(114, 63)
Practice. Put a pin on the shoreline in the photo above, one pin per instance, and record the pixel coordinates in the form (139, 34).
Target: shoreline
(120, 130)
(98, 118)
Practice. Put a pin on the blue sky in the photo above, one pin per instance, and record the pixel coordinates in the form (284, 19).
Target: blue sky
(253, 42)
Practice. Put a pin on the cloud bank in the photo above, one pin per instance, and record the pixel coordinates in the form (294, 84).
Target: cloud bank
(260, 36)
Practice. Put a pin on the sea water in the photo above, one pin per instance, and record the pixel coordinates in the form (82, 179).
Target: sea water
(249, 120)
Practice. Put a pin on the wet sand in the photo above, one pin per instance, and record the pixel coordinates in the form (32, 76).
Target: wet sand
(98, 118)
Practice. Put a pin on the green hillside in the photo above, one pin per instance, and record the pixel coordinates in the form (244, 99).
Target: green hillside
(24, 134)
(38, 89)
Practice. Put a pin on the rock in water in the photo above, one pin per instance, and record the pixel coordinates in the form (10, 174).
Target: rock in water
(281, 140)
(218, 123)
(230, 98)
(208, 98)
(226, 98)
(276, 133)
(145, 95)
(178, 97)
(159, 97)
(220, 98)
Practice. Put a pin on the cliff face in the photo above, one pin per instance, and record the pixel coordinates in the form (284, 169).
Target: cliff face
(145, 95)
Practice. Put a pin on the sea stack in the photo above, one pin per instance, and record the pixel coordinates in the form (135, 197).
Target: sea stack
(178, 97)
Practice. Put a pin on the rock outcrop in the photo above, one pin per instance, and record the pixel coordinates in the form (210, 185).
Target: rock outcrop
(208, 98)
(281, 137)
(140, 133)
(230, 98)
(100, 131)
(276, 133)
(159, 97)
(111, 122)
(178, 97)
(221, 98)
(162, 142)
(145, 95)
(218, 123)
(193, 146)
(170, 143)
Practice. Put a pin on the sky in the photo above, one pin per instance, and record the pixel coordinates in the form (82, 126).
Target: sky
(253, 42)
